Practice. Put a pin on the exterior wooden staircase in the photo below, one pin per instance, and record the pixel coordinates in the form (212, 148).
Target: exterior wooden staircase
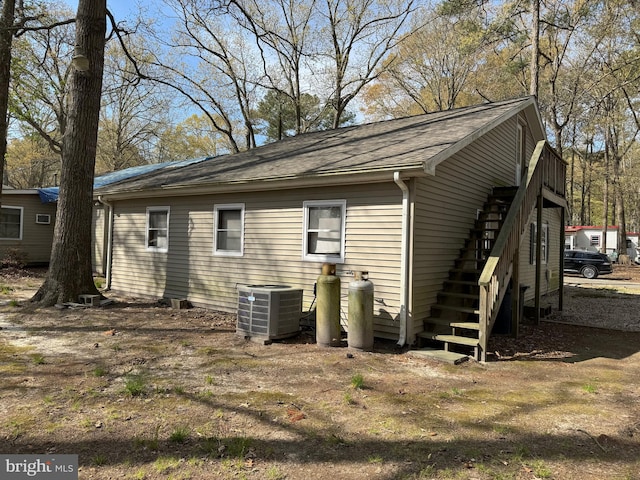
(455, 318)
(469, 303)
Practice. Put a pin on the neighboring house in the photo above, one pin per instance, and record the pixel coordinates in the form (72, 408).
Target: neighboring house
(99, 240)
(26, 226)
(588, 237)
(413, 201)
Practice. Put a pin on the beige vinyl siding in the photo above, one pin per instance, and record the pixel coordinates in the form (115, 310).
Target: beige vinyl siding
(273, 234)
(446, 207)
(98, 241)
(36, 238)
(550, 280)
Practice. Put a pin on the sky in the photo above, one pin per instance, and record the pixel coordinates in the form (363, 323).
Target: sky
(121, 9)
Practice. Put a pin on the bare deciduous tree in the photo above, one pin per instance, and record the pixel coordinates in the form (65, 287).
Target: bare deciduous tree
(70, 272)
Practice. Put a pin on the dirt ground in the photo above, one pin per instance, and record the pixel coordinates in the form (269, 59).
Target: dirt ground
(142, 391)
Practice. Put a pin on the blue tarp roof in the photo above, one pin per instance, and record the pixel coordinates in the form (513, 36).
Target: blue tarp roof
(50, 194)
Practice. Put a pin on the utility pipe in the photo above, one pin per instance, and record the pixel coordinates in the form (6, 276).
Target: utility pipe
(404, 260)
(109, 252)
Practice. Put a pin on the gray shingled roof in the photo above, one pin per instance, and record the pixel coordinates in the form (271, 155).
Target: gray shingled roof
(393, 145)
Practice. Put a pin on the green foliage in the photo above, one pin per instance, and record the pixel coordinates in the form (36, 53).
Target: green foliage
(237, 447)
(179, 435)
(163, 463)
(357, 381)
(135, 385)
(452, 8)
(278, 113)
(38, 359)
(348, 399)
(274, 473)
(541, 470)
(99, 459)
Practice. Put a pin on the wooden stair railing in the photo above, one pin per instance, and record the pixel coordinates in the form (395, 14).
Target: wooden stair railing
(545, 170)
(454, 319)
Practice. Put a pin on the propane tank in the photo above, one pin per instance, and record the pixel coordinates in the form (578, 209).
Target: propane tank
(360, 332)
(328, 307)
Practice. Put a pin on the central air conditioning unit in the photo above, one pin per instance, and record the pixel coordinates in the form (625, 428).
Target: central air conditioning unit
(269, 311)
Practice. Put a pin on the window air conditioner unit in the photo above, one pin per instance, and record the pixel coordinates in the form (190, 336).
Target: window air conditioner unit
(43, 218)
(269, 311)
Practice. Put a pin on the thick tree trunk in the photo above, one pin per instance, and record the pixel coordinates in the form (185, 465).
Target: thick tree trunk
(70, 272)
(6, 39)
(621, 221)
(619, 211)
(605, 198)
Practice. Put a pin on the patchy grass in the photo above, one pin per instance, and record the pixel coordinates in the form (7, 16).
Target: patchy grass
(357, 381)
(177, 394)
(179, 434)
(135, 384)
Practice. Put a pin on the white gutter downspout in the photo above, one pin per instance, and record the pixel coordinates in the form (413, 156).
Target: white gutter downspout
(107, 259)
(404, 260)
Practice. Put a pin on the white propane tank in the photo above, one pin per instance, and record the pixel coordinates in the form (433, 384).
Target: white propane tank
(360, 326)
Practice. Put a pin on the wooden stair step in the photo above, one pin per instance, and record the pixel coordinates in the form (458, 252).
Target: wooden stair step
(489, 216)
(453, 323)
(497, 203)
(475, 271)
(469, 296)
(457, 339)
(457, 308)
(462, 283)
(467, 260)
(440, 355)
(485, 252)
(482, 228)
(502, 191)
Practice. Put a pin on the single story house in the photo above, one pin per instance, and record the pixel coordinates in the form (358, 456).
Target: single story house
(592, 238)
(441, 209)
(49, 196)
(26, 226)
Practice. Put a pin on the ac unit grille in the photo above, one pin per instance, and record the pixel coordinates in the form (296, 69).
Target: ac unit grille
(270, 311)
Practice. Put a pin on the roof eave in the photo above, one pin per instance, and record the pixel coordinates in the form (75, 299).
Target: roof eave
(530, 109)
(281, 183)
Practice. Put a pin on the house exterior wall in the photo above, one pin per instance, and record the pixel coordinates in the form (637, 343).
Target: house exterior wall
(447, 205)
(550, 281)
(273, 235)
(36, 237)
(581, 239)
(98, 241)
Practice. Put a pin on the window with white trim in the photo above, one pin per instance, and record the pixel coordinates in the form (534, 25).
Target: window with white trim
(324, 231)
(228, 229)
(157, 229)
(594, 240)
(11, 223)
(544, 246)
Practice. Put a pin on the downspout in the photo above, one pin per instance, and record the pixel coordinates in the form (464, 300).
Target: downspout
(404, 260)
(107, 259)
